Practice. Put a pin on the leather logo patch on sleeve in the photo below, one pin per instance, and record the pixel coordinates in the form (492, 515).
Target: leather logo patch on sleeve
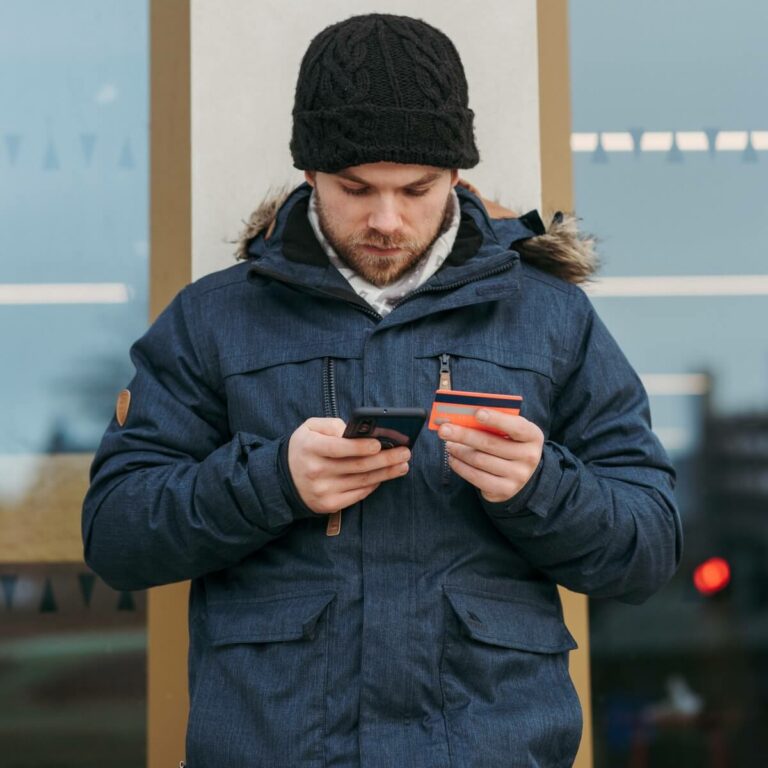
(121, 409)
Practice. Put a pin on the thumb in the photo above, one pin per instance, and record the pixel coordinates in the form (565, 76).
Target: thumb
(330, 426)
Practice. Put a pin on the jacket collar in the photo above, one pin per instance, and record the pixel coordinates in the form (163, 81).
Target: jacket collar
(293, 252)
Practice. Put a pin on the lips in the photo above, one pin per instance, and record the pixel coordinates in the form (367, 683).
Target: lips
(382, 251)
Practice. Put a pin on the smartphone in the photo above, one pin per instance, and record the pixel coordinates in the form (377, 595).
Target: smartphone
(390, 426)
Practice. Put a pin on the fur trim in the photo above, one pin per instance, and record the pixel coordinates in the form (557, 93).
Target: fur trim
(263, 218)
(562, 250)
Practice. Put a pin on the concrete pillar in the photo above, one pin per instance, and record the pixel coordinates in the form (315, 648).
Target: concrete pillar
(223, 79)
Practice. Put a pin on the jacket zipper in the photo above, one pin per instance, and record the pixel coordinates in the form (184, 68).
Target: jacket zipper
(445, 383)
(331, 409)
(330, 404)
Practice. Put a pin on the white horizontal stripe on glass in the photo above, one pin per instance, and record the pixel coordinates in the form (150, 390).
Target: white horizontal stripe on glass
(681, 285)
(584, 142)
(63, 293)
(663, 141)
(692, 141)
(656, 141)
(733, 141)
(675, 383)
(617, 142)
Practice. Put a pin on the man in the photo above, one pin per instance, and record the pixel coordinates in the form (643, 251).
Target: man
(420, 627)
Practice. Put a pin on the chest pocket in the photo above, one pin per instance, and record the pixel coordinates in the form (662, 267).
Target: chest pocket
(476, 367)
(271, 390)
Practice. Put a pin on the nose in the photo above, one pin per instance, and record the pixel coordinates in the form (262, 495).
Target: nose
(385, 216)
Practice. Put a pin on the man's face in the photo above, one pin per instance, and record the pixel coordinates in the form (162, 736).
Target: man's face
(381, 218)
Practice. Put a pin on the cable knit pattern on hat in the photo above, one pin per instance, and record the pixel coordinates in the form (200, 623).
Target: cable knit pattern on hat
(382, 87)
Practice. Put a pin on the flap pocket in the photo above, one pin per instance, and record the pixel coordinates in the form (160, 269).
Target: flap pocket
(510, 623)
(506, 357)
(267, 620)
(267, 355)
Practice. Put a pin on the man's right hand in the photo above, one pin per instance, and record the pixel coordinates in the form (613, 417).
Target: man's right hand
(332, 472)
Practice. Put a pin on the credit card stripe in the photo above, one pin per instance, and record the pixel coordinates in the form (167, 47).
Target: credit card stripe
(448, 409)
(498, 402)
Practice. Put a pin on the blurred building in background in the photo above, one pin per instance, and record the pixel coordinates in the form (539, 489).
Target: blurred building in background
(670, 153)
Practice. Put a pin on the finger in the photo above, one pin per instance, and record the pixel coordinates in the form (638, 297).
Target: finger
(330, 426)
(337, 447)
(350, 482)
(481, 441)
(348, 498)
(486, 462)
(489, 485)
(517, 428)
(383, 459)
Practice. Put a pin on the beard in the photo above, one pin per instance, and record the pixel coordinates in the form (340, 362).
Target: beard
(381, 269)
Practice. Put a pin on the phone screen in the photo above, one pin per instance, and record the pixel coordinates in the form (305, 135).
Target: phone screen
(390, 426)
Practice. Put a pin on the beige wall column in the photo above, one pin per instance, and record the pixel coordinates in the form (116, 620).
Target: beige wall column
(170, 270)
(557, 194)
(223, 77)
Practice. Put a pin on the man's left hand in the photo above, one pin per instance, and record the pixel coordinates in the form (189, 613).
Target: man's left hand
(497, 466)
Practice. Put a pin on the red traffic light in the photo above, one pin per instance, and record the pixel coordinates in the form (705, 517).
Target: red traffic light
(712, 576)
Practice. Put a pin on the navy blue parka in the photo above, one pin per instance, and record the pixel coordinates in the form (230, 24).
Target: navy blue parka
(429, 632)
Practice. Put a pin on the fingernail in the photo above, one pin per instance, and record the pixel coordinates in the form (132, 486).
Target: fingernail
(403, 468)
(481, 415)
(446, 431)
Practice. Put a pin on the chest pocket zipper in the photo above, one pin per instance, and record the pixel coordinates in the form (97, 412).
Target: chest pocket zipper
(445, 383)
(330, 406)
(330, 410)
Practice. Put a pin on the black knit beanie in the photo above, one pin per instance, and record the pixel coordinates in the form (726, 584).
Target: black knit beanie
(381, 87)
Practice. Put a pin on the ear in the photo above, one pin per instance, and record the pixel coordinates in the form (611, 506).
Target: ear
(309, 176)
(454, 177)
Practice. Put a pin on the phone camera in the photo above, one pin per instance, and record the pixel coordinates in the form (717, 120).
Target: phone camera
(365, 426)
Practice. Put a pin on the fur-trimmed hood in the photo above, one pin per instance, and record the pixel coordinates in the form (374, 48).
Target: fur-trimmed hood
(558, 248)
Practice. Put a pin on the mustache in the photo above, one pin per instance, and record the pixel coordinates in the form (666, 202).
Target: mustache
(376, 239)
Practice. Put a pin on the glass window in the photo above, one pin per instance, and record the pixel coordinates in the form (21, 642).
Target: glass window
(72, 670)
(73, 296)
(670, 145)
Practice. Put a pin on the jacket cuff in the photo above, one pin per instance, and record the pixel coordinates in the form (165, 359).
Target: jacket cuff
(537, 495)
(265, 476)
(288, 487)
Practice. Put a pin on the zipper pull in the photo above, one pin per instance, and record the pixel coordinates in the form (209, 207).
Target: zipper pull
(445, 371)
(333, 526)
(445, 383)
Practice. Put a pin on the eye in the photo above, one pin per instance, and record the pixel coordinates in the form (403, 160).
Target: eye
(356, 192)
(416, 192)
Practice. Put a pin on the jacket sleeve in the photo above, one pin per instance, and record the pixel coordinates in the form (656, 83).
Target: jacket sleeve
(599, 515)
(173, 494)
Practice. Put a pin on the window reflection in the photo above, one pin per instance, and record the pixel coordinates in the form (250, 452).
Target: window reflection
(73, 296)
(670, 172)
(72, 669)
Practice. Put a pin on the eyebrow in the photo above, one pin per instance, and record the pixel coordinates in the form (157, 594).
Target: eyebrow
(425, 179)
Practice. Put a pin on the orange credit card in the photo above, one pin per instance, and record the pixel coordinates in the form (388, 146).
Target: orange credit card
(455, 407)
